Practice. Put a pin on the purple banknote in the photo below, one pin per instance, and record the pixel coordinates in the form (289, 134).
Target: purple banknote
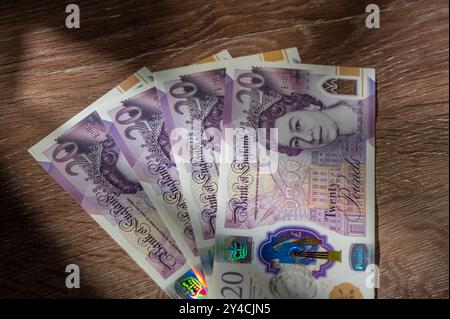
(296, 191)
(84, 159)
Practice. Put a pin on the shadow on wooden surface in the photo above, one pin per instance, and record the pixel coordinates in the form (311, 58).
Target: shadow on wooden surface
(49, 73)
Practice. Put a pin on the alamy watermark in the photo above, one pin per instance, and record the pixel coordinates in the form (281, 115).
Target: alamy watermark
(373, 276)
(73, 18)
(240, 145)
(73, 279)
(373, 19)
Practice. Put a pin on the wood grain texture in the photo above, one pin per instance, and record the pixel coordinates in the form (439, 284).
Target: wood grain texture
(49, 73)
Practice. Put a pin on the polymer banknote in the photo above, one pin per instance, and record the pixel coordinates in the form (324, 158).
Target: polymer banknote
(84, 159)
(296, 189)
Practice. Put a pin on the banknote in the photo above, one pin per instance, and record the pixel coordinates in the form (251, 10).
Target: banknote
(296, 192)
(84, 159)
(191, 101)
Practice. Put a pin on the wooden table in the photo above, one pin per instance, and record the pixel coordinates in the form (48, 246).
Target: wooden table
(48, 73)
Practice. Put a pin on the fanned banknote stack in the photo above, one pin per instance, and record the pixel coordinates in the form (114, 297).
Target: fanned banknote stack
(248, 177)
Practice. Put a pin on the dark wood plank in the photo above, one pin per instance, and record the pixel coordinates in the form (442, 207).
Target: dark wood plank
(49, 73)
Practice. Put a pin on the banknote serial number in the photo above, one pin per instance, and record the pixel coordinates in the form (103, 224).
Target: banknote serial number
(249, 309)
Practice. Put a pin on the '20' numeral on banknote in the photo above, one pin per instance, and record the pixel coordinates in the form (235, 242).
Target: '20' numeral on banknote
(235, 279)
(255, 82)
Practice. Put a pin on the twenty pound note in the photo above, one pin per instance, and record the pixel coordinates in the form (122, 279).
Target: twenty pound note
(192, 100)
(84, 159)
(296, 193)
